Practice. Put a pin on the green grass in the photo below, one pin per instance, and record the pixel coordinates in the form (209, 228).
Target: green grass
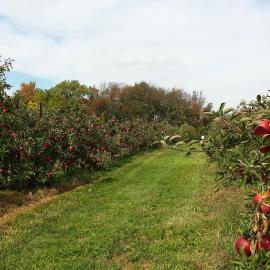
(158, 211)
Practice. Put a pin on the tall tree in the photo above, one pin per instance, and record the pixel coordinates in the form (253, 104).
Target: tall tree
(27, 91)
(69, 94)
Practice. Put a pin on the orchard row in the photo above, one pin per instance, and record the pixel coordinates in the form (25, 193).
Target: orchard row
(239, 142)
(36, 145)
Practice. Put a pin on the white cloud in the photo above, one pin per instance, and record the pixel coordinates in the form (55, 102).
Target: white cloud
(219, 47)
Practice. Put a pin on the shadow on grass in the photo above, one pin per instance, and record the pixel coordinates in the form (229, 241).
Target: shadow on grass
(63, 182)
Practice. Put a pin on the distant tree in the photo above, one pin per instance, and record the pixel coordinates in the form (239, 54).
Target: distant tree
(176, 103)
(30, 95)
(27, 91)
(68, 94)
(208, 107)
(187, 131)
(143, 100)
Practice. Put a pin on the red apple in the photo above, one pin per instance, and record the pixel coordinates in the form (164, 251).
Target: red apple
(265, 208)
(13, 135)
(71, 147)
(1, 170)
(265, 177)
(45, 145)
(263, 128)
(264, 243)
(5, 110)
(243, 244)
(48, 158)
(257, 199)
(265, 149)
(50, 174)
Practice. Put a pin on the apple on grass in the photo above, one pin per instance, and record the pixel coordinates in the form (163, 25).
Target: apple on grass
(264, 243)
(265, 208)
(259, 198)
(243, 244)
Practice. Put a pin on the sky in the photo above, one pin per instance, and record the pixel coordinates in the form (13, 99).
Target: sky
(221, 48)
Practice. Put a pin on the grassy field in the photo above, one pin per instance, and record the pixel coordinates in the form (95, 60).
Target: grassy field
(158, 211)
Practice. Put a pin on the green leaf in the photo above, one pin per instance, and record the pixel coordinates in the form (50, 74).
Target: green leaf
(222, 105)
(266, 139)
(228, 110)
(237, 263)
(235, 114)
(180, 143)
(208, 113)
(244, 119)
(253, 264)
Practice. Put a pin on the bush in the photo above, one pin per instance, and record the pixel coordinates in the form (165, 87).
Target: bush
(165, 128)
(34, 146)
(187, 132)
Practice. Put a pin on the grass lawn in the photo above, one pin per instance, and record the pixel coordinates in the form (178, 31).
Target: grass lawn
(158, 211)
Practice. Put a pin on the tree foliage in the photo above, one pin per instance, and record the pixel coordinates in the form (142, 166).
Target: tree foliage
(239, 144)
(141, 100)
(5, 66)
(69, 93)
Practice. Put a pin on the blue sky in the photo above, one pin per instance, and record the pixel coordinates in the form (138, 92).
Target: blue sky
(219, 47)
(15, 78)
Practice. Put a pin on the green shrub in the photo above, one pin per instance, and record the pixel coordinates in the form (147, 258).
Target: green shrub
(187, 132)
(34, 147)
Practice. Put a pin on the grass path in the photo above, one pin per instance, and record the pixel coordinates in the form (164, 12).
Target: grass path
(159, 211)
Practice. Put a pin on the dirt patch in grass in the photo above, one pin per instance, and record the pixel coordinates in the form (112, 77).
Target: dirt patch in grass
(146, 265)
(224, 193)
(198, 266)
(120, 260)
(10, 201)
(13, 203)
(229, 195)
(12, 212)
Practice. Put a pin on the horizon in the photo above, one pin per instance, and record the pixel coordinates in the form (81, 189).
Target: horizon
(16, 80)
(219, 48)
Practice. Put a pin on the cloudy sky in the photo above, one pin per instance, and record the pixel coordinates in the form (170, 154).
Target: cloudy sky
(219, 47)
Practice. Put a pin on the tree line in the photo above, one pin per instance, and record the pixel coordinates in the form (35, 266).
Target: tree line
(140, 100)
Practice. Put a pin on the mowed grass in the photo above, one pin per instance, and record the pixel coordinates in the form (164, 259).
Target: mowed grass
(158, 211)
